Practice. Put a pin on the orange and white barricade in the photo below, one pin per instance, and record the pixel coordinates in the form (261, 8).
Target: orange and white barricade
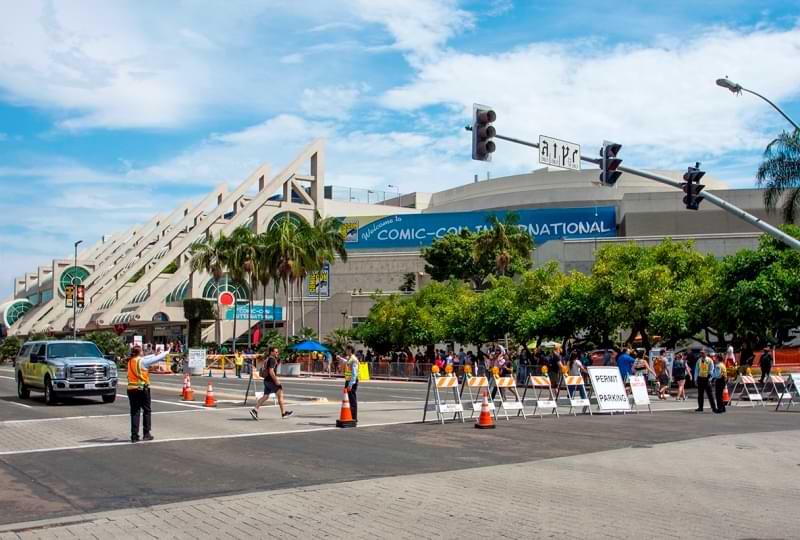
(792, 391)
(776, 385)
(576, 394)
(474, 387)
(501, 384)
(749, 388)
(438, 388)
(543, 395)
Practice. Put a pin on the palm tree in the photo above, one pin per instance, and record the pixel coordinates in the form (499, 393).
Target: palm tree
(328, 241)
(211, 255)
(305, 263)
(505, 240)
(780, 173)
(285, 243)
(240, 265)
(264, 271)
(246, 255)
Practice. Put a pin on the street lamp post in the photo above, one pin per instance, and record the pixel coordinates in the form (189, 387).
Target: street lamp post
(738, 89)
(398, 192)
(344, 319)
(75, 293)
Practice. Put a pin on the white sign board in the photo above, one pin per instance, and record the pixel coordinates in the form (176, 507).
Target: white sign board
(795, 380)
(196, 360)
(137, 341)
(609, 389)
(559, 153)
(639, 390)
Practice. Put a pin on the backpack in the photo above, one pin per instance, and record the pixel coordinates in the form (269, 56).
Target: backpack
(263, 372)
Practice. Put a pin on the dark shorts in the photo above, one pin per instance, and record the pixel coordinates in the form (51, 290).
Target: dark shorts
(271, 388)
(679, 378)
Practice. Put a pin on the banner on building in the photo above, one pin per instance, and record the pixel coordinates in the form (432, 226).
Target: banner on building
(258, 313)
(416, 230)
(319, 283)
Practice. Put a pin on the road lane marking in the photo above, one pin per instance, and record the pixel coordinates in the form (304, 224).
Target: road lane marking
(170, 402)
(199, 438)
(20, 404)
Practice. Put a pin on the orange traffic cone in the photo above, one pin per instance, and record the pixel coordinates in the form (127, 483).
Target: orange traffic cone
(183, 390)
(485, 420)
(726, 397)
(188, 395)
(211, 401)
(345, 416)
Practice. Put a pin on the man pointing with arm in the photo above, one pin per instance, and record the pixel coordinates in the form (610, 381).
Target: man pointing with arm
(139, 390)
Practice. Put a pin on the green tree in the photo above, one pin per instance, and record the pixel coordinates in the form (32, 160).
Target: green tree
(505, 241)
(10, 347)
(779, 173)
(409, 282)
(451, 257)
(327, 240)
(109, 343)
(286, 241)
(196, 310)
(243, 258)
(337, 340)
(210, 255)
(269, 340)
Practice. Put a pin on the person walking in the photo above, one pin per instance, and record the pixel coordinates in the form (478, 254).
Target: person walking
(766, 364)
(680, 373)
(351, 365)
(139, 391)
(576, 368)
(720, 382)
(271, 385)
(702, 375)
(625, 364)
(238, 362)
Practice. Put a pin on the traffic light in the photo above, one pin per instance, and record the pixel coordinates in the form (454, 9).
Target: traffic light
(692, 187)
(610, 163)
(69, 295)
(482, 132)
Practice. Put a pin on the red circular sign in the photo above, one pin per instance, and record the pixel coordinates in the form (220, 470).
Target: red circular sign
(226, 298)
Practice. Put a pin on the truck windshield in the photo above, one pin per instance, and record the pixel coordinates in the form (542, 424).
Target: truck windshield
(72, 350)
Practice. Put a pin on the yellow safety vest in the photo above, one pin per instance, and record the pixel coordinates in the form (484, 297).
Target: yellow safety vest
(351, 363)
(137, 379)
(705, 367)
(239, 360)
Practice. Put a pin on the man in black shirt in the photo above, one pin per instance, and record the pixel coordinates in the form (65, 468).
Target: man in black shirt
(271, 385)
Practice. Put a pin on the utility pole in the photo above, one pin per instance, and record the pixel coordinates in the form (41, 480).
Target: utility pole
(708, 196)
(75, 293)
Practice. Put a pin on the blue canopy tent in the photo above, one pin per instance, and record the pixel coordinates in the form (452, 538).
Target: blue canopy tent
(309, 346)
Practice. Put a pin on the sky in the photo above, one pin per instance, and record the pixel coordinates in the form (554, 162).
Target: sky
(112, 111)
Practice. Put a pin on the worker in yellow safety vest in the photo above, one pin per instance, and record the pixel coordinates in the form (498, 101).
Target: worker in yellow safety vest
(238, 361)
(139, 390)
(350, 365)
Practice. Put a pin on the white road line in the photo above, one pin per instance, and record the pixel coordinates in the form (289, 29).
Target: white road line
(4, 377)
(200, 438)
(169, 402)
(20, 404)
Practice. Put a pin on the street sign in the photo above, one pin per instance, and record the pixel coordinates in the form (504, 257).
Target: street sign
(226, 298)
(558, 153)
(609, 389)
(69, 296)
(80, 295)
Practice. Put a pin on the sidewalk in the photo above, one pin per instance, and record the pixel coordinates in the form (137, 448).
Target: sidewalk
(653, 492)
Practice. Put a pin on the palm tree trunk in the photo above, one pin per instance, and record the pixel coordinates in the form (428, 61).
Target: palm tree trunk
(302, 305)
(264, 310)
(250, 321)
(235, 316)
(274, 301)
(286, 329)
(319, 312)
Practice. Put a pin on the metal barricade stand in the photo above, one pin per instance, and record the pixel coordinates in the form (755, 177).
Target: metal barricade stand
(440, 386)
(747, 382)
(478, 384)
(772, 385)
(579, 402)
(792, 387)
(538, 386)
(508, 382)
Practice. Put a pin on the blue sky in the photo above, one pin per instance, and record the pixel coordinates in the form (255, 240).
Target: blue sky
(112, 111)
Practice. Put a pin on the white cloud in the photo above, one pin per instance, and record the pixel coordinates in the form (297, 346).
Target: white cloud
(418, 26)
(333, 102)
(294, 58)
(659, 98)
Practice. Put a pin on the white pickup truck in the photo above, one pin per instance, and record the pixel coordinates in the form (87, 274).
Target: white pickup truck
(63, 369)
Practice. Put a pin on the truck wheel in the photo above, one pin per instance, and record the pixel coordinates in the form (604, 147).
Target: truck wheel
(109, 398)
(49, 395)
(23, 392)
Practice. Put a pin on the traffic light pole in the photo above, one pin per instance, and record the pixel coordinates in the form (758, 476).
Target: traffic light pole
(710, 197)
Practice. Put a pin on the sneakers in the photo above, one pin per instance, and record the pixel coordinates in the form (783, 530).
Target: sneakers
(148, 437)
(287, 413)
(134, 439)
(254, 414)
(698, 410)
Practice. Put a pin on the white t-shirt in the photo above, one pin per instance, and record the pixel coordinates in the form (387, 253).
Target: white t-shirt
(576, 368)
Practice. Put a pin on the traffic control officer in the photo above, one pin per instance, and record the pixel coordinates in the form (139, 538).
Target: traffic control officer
(238, 361)
(351, 365)
(139, 390)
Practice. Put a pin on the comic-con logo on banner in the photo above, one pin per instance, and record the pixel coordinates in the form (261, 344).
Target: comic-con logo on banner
(349, 229)
(416, 230)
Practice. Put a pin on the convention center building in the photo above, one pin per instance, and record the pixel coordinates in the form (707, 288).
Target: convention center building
(135, 281)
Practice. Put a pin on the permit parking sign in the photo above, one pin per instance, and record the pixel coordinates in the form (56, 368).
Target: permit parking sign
(609, 389)
(558, 153)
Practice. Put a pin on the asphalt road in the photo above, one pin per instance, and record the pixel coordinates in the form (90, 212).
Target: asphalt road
(229, 392)
(69, 482)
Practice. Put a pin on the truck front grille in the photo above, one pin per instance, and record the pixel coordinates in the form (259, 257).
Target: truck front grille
(87, 373)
